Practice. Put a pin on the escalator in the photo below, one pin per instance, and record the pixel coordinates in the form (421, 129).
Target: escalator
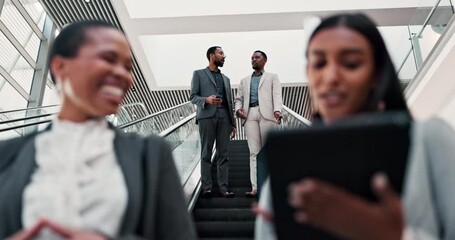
(228, 218)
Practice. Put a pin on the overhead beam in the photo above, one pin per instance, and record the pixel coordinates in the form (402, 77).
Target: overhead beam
(272, 21)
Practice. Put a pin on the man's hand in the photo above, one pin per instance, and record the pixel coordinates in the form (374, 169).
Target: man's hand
(213, 100)
(278, 116)
(233, 131)
(240, 113)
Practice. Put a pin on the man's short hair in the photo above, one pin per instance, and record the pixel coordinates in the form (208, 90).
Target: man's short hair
(211, 50)
(261, 52)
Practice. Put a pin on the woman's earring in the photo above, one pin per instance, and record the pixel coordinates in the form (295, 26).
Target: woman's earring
(58, 86)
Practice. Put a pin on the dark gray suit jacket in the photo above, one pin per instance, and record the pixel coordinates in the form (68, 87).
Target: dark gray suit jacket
(156, 207)
(203, 85)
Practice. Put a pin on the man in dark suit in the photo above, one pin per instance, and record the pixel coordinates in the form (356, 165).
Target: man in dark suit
(211, 92)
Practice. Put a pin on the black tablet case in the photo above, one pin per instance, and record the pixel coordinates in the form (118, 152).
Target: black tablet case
(346, 154)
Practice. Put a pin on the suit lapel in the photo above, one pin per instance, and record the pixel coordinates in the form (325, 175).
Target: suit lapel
(209, 75)
(227, 89)
(263, 78)
(246, 94)
(129, 152)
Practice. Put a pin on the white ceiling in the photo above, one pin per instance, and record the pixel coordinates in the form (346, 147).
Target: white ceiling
(170, 42)
(165, 9)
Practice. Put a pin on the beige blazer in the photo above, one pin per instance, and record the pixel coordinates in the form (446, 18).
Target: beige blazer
(270, 99)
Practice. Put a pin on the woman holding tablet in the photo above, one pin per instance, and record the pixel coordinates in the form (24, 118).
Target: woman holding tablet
(350, 72)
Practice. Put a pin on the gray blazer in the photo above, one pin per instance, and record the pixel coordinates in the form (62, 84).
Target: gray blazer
(429, 195)
(203, 85)
(156, 207)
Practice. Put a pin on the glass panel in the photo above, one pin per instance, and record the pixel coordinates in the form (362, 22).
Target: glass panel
(397, 41)
(409, 68)
(8, 53)
(14, 21)
(185, 147)
(184, 141)
(23, 74)
(424, 36)
(32, 46)
(10, 98)
(435, 27)
(153, 125)
(51, 96)
(35, 10)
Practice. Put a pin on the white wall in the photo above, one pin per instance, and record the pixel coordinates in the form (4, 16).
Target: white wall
(173, 58)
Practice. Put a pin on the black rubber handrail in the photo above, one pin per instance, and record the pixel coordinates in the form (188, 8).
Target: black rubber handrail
(26, 118)
(121, 127)
(26, 109)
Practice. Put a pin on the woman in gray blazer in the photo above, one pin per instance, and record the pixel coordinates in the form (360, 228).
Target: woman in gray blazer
(81, 178)
(347, 58)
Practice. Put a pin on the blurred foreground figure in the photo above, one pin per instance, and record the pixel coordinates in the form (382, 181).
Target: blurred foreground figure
(350, 72)
(81, 178)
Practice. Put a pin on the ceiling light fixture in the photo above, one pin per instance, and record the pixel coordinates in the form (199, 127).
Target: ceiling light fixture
(87, 1)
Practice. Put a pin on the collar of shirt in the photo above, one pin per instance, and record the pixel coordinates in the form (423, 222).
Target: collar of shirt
(254, 75)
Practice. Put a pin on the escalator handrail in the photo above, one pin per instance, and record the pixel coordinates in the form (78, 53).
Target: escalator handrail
(121, 127)
(151, 115)
(27, 109)
(24, 125)
(174, 127)
(297, 116)
(26, 118)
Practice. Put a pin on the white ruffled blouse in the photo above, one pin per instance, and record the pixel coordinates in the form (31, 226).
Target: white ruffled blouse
(78, 182)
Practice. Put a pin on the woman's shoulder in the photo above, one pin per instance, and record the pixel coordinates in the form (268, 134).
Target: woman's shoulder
(435, 128)
(12, 144)
(9, 148)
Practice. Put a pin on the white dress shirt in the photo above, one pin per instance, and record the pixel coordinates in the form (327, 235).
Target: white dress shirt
(78, 182)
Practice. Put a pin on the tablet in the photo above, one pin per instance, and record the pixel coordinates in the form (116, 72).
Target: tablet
(346, 154)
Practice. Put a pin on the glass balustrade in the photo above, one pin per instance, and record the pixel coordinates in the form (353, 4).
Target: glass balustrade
(154, 123)
(422, 33)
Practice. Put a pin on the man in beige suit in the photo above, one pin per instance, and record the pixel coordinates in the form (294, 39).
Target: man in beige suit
(258, 103)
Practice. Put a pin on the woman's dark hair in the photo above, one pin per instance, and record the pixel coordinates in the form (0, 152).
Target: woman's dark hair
(72, 37)
(388, 90)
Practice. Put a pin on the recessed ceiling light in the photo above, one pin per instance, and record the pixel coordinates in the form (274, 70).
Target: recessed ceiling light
(87, 1)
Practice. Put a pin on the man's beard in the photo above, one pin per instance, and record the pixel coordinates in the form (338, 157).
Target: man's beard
(219, 63)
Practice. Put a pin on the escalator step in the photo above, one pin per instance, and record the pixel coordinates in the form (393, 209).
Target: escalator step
(225, 229)
(220, 202)
(228, 218)
(223, 214)
(236, 182)
(226, 238)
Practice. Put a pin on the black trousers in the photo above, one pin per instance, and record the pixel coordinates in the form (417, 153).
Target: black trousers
(216, 128)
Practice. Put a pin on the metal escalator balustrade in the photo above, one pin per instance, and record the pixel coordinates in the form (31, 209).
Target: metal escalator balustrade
(157, 122)
(293, 120)
(20, 122)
